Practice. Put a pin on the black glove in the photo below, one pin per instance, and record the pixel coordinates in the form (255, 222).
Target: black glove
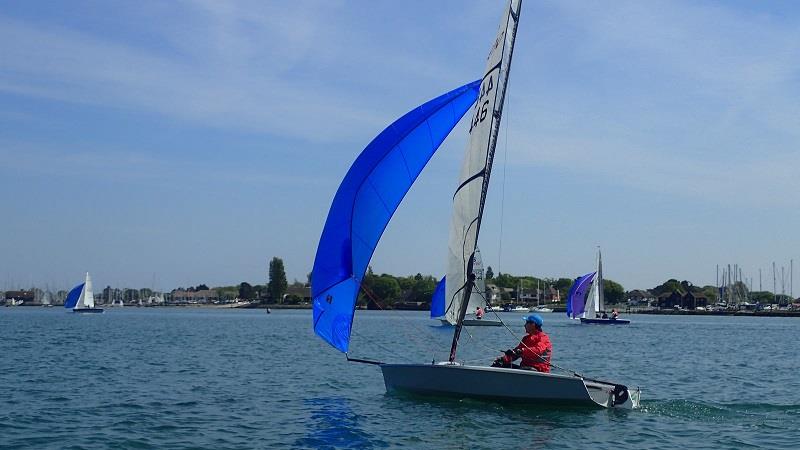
(510, 353)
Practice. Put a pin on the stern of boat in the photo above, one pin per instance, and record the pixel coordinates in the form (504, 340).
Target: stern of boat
(613, 395)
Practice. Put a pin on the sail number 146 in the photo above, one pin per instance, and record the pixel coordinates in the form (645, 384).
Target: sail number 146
(482, 105)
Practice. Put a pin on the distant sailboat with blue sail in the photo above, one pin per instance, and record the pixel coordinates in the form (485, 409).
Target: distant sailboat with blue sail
(367, 198)
(586, 300)
(477, 299)
(578, 293)
(81, 298)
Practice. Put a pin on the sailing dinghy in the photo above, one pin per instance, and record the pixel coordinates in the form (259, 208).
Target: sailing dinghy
(81, 298)
(477, 299)
(586, 299)
(370, 193)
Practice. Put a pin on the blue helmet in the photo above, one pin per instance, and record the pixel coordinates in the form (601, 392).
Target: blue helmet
(534, 318)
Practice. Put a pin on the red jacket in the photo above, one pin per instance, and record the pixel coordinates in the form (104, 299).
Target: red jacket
(536, 351)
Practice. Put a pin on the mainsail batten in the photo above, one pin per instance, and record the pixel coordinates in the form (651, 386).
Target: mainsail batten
(365, 202)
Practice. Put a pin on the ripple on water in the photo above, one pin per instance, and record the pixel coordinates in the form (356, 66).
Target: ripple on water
(179, 378)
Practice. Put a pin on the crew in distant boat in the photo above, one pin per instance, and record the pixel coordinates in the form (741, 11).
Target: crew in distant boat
(479, 313)
(604, 316)
(614, 314)
(535, 348)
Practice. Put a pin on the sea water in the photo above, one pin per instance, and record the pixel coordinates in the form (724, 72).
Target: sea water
(213, 378)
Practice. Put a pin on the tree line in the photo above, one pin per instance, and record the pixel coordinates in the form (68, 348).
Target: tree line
(386, 290)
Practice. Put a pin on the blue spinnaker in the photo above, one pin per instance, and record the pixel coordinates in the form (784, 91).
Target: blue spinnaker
(368, 196)
(437, 301)
(73, 296)
(576, 300)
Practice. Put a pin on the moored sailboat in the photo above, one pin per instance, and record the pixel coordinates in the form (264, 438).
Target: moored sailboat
(362, 207)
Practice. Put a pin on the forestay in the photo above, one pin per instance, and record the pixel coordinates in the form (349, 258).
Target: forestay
(365, 201)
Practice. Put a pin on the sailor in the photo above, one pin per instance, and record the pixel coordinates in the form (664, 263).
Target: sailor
(604, 316)
(479, 313)
(535, 348)
(614, 314)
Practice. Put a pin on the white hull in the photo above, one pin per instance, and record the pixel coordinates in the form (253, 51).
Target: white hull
(497, 383)
(476, 322)
(541, 309)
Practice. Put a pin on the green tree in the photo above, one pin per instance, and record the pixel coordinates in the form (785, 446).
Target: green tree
(669, 286)
(505, 280)
(423, 290)
(277, 280)
(201, 287)
(763, 297)
(406, 283)
(613, 292)
(711, 293)
(246, 291)
(386, 288)
(293, 299)
(563, 284)
(489, 273)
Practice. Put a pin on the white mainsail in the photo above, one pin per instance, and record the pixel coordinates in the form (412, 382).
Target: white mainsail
(594, 301)
(473, 183)
(478, 296)
(86, 299)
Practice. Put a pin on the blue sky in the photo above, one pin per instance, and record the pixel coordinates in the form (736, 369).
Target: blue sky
(178, 143)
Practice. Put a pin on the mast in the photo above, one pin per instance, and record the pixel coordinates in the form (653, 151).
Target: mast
(774, 285)
(477, 167)
(601, 298)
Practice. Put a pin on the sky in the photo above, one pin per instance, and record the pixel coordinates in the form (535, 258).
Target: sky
(167, 144)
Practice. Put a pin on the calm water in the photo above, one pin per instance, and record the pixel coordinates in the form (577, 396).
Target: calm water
(204, 378)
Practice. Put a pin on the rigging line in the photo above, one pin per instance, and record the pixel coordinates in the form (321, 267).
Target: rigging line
(416, 336)
(473, 338)
(541, 357)
(388, 349)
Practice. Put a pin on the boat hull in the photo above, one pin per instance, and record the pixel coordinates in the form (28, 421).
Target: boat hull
(502, 384)
(87, 310)
(605, 321)
(476, 323)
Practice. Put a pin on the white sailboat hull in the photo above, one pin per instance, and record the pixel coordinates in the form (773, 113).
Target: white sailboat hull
(504, 384)
(476, 322)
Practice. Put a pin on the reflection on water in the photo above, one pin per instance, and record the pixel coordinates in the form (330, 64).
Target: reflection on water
(334, 424)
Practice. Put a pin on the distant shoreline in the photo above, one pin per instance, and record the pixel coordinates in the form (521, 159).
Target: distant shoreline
(556, 310)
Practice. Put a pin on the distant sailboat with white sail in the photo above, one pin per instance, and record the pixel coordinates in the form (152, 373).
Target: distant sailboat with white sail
(81, 298)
